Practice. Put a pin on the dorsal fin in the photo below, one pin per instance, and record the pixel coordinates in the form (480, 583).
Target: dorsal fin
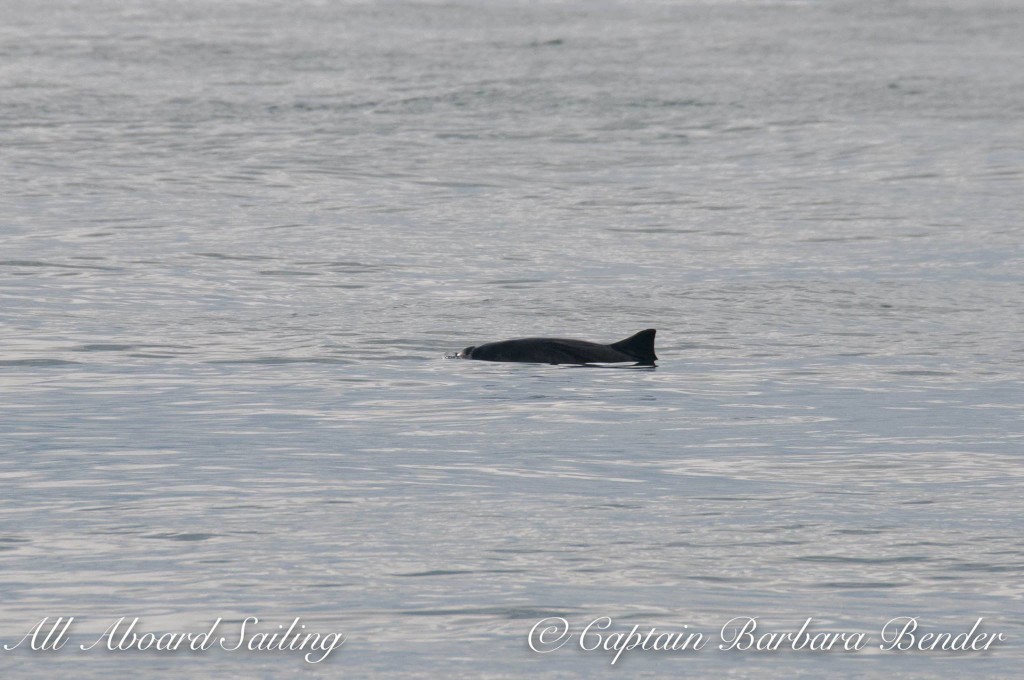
(639, 346)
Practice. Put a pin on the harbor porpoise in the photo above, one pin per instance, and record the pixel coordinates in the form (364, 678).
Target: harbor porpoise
(638, 348)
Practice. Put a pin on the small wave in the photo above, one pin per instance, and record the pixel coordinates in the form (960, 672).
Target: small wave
(37, 362)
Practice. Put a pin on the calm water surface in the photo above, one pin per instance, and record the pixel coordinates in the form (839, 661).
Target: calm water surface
(237, 239)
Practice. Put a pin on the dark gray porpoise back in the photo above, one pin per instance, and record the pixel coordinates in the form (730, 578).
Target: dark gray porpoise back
(638, 348)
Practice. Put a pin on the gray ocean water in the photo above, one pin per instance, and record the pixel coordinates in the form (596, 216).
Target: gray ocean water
(238, 238)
